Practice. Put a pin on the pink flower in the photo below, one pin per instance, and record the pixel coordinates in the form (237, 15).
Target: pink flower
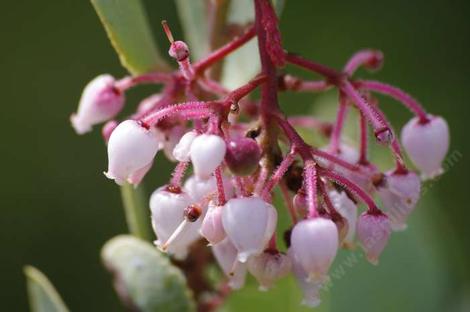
(268, 267)
(426, 144)
(207, 153)
(212, 228)
(100, 101)
(131, 148)
(373, 231)
(348, 210)
(226, 256)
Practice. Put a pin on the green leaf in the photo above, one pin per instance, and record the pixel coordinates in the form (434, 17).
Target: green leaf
(42, 295)
(127, 27)
(144, 279)
(195, 22)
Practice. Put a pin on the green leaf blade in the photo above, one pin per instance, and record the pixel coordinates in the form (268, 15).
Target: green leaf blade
(145, 279)
(127, 27)
(43, 297)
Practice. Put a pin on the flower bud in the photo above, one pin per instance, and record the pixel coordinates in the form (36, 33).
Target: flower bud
(100, 101)
(399, 194)
(310, 289)
(373, 232)
(314, 244)
(242, 156)
(131, 147)
(198, 188)
(269, 267)
(348, 210)
(179, 51)
(107, 129)
(249, 223)
(426, 144)
(212, 228)
(226, 256)
(168, 220)
(181, 152)
(207, 153)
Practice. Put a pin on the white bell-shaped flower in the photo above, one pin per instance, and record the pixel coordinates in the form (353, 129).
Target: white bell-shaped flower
(207, 153)
(182, 150)
(310, 289)
(373, 232)
(348, 210)
(100, 101)
(399, 194)
(226, 256)
(268, 267)
(174, 233)
(199, 188)
(171, 137)
(426, 144)
(131, 147)
(314, 243)
(212, 228)
(249, 223)
(137, 177)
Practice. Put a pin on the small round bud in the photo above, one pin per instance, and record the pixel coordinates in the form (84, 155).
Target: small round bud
(100, 101)
(426, 144)
(242, 156)
(179, 51)
(384, 136)
(373, 232)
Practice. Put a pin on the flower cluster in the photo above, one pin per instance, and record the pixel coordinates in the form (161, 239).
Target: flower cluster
(240, 149)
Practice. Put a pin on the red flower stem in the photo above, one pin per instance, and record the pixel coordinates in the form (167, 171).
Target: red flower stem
(368, 58)
(132, 81)
(288, 201)
(293, 83)
(396, 94)
(278, 174)
(188, 110)
(223, 51)
(336, 160)
(236, 95)
(364, 140)
(220, 186)
(178, 173)
(239, 185)
(311, 184)
(373, 115)
(331, 74)
(339, 125)
(212, 86)
(262, 176)
(372, 207)
(326, 198)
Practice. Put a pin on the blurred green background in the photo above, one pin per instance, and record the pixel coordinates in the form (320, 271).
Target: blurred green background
(57, 208)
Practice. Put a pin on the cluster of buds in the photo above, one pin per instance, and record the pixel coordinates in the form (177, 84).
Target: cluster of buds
(241, 149)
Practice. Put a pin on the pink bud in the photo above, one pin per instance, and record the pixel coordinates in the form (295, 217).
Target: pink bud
(100, 101)
(226, 255)
(179, 51)
(314, 244)
(199, 188)
(207, 153)
(168, 217)
(348, 210)
(249, 223)
(399, 194)
(212, 228)
(181, 152)
(243, 156)
(131, 147)
(269, 267)
(310, 289)
(373, 232)
(426, 144)
(107, 129)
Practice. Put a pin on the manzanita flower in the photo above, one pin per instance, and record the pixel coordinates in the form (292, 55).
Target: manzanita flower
(212, 228)
(268, 267)
(131, 147)
(170, 138)
(226, 255)
(249, 223)
(426, 144)
(207, 153)
(199, 188)
(399, 193)
(348, 210)
(181, 152)
(373, 232)
(168, 215)
(314, 243)
(100, 101)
